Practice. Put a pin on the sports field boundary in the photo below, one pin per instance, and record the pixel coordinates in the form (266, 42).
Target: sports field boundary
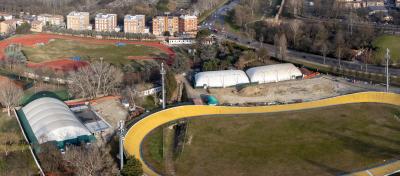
(138, 131)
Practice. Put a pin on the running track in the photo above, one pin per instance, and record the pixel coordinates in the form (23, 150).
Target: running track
(33, 39)
(138, 131)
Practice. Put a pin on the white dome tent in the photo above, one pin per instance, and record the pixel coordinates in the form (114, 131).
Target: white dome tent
(273, 73)
(51, 120)
(223, 78)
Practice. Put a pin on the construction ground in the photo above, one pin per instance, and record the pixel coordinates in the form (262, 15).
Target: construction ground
(323, 86)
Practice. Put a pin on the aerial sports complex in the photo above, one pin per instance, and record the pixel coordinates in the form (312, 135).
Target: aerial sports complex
(138, 131)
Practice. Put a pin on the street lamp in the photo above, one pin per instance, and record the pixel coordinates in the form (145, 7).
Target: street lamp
(387, 68)
(163, 72)
(121, 143)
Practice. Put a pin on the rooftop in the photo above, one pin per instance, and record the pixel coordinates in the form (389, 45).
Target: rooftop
(134, 17)
(75, 13)
(105, 16)
(188, 17)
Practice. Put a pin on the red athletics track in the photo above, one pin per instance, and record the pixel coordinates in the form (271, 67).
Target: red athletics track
(66, 64)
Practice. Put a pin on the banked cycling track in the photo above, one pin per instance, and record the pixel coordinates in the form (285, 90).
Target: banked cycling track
(137, 132)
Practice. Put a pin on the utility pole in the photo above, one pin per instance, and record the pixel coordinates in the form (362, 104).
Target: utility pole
(387, 68)
(163, 72)
(121, 143)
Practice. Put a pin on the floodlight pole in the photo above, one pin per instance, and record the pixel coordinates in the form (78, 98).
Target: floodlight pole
(387, 68)
(121, 143)
(163, 72)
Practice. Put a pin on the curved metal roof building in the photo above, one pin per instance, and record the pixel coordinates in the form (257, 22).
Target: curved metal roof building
(223, 78)
(273, 73)
(49, 119)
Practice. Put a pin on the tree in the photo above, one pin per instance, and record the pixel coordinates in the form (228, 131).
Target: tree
(133, 167)
(340, 46)
(211, 65)
(295, 5)
(51, 159)
(170, 83)
(263, 55)
(90, 161)
(246, 58)
(202, 34)
(167, 33)
(99, 78)
(324, 50)
(10, 95)
(295, 27)
(24, 28)
(281, 45)
(180, 65)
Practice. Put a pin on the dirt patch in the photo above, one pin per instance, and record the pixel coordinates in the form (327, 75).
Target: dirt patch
(288, 91)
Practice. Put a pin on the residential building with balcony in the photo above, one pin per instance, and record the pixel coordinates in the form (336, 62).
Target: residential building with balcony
(78, 21)
(135, 24)
(105, 22)
(162, 24)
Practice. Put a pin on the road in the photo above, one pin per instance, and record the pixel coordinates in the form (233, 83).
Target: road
(219, 15)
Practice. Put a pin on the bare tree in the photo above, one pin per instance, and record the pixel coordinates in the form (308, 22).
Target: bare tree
(324, 50)
(295, 5)
(295, 27)
(340, 46)
(90, 161)
(10, 95)
(263, 55)
(281, 45)
(367, 58)
(99, 78)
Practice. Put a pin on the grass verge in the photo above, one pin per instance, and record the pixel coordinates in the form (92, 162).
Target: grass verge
(325, 141)
(19, 160)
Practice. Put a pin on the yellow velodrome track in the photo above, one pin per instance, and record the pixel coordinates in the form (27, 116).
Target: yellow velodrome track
(138, 131)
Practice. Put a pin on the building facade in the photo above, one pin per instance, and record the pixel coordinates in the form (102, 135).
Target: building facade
(188, 24)
(135, 24)
(47, 19)
(105, 22)
(78, 21)
(37, 26)
(162, 24)
(8, 26)
(6, 16)
(362, 3)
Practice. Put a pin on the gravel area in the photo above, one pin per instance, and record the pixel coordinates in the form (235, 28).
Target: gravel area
(288, 91)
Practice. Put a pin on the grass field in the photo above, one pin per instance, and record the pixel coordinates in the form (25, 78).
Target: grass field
(19, 161)
(60, 48)
(326, 141)
(387, 41)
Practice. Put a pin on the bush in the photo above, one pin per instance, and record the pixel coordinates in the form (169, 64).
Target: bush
(133, 167)
(24, 28)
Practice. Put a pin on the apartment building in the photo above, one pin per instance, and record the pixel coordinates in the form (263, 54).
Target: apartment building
(37, 26)
(162, 24)
(374, 3)
(135, 24)
(188, 24)
(47, 19)
(355, 4)
(8, 26)
(105, 22)
(78, 21)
